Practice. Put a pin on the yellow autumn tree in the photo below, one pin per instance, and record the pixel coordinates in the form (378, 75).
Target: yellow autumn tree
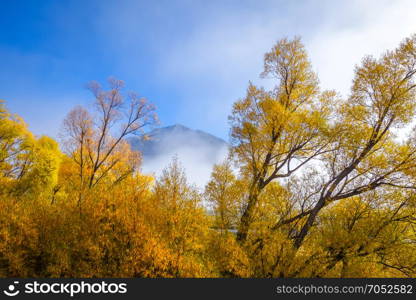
(323, 150)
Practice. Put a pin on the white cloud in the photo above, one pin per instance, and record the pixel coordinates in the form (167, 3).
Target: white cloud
(211, 66)
(376, 26)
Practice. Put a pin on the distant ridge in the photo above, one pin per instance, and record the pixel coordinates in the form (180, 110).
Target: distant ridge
(182, 135)
(196, 150)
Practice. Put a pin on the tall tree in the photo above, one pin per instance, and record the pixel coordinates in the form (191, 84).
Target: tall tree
(275, 133)
(97, 141)
(365, 155)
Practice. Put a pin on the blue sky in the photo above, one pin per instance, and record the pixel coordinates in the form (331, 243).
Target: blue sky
(193, 59)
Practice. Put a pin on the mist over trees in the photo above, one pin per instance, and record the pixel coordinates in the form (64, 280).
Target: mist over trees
(315, 185)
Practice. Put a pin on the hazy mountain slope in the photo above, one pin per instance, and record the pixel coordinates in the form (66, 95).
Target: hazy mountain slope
(195, 149)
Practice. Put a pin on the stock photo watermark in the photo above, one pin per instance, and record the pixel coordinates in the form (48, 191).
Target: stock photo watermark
(71, 289)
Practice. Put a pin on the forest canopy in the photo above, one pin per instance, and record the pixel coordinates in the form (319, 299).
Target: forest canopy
(315, 185)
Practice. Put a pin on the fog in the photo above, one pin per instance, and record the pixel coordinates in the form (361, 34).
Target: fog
(196, 151)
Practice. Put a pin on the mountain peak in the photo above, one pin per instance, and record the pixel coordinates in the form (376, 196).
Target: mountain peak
(174, 136)
(196, 150)
(177, 127)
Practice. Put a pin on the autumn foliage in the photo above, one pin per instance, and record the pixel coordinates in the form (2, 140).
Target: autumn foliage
(316, 185)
